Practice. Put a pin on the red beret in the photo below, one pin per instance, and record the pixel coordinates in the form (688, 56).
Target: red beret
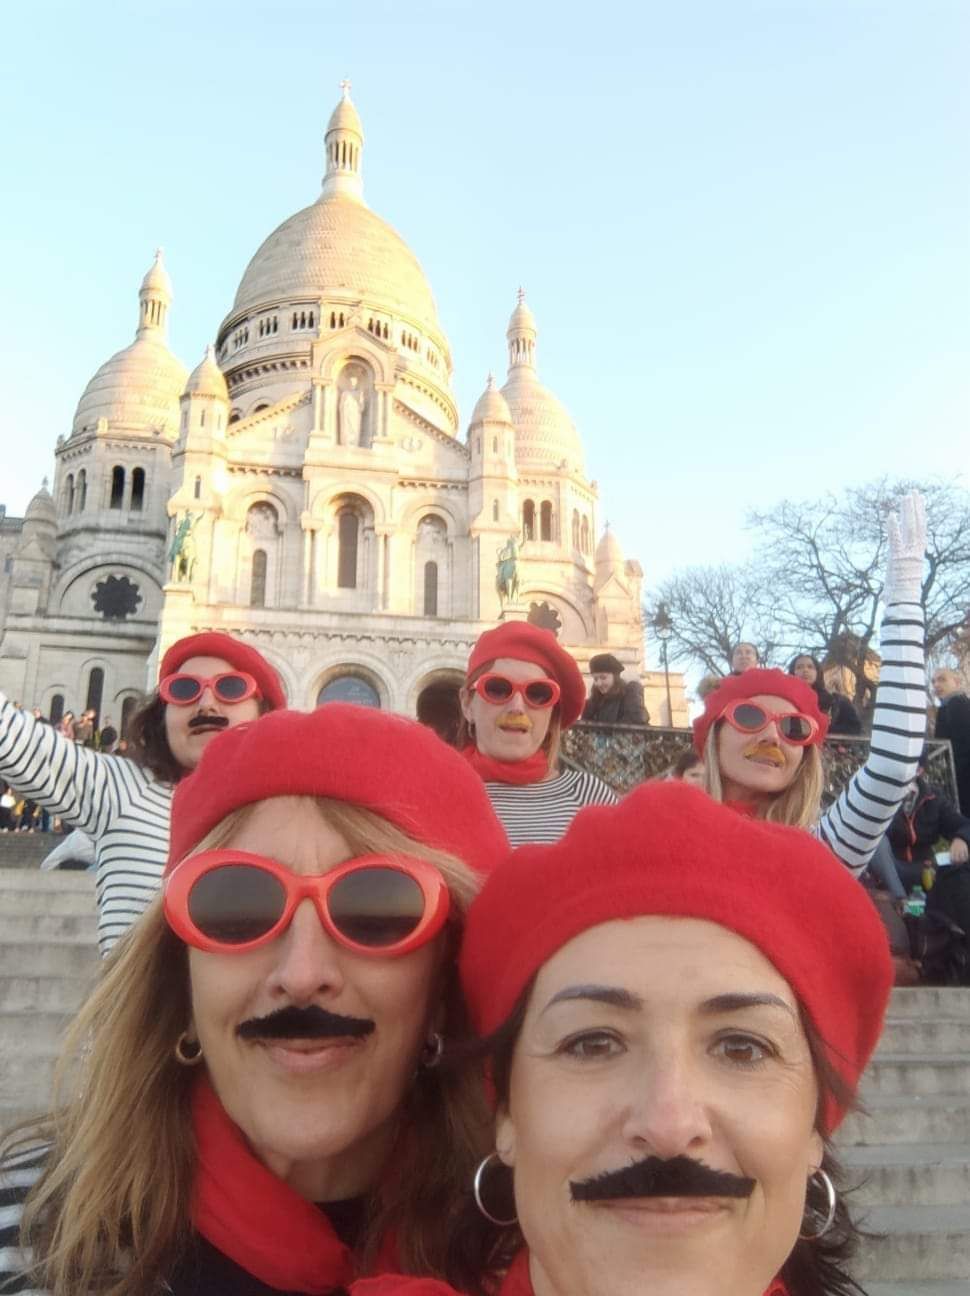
(669, 849)
(524, 642)
(754, 683)
(385, 763)
(235, 652)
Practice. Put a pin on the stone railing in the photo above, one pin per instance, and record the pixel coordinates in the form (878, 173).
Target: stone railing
(625, 755)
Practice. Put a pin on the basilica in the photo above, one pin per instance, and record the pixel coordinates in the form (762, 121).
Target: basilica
(309, 487)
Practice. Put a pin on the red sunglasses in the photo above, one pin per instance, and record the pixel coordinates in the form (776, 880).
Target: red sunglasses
(182, 689)
(537, 693)
(226, 901)
(750, 717)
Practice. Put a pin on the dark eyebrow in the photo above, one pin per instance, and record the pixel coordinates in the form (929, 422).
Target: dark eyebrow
(615, 996)
(728, 1003)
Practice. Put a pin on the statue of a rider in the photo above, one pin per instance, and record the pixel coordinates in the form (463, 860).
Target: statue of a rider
(507, 571)
(181, 554)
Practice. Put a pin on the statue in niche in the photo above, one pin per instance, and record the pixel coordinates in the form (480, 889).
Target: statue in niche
(182, 553)
(351, 409)
(261, 522)
(507, 572)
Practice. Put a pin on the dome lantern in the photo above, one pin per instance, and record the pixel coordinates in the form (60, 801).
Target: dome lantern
(154, 299)
(521, 335)
(491, 407)
(344, 144)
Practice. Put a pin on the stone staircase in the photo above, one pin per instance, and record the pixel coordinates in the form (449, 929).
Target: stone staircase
(911, 1153)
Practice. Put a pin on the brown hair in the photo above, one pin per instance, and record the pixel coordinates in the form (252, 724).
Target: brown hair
(798, 805)
(551, 743)
(110, 1214)
(148, 742)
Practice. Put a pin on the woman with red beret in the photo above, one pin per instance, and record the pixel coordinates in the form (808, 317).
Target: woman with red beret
(522, 689)
(761, 732)
(251, 1101)
(208, 682)
(676, 1004)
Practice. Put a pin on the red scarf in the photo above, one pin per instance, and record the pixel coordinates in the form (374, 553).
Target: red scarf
(490, 770)
(750, 811)
(253, 1217)
(518, 1283)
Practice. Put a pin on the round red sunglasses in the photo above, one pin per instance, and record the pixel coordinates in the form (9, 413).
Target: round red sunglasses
(226, 901)
(537, 693)
(796, 728)
(183, 689)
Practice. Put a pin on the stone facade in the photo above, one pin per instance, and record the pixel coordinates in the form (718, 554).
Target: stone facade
(308, 489)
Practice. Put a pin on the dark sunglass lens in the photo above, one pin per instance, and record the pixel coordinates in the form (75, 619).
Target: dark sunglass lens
(796, 727)
(538, 693)
(183, 688)
(236, 903)
(376, 906)
(231, 688)
(497, 689)
(749, 716)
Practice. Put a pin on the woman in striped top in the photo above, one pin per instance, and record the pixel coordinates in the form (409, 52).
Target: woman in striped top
(522, 689)
(124, 805)
(760, 734)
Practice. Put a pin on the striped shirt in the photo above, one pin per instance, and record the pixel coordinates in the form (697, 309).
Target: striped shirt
(121, 806)
(18, 1175)
(854, 825)
(541, 812)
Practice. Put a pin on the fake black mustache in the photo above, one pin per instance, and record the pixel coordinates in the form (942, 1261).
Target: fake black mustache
(655, 1177)
(311, 1022)
(212, 721)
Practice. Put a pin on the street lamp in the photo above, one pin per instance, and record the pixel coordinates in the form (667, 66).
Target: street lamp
(663, 628)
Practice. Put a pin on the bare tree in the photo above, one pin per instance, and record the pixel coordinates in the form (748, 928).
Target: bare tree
(711, 610)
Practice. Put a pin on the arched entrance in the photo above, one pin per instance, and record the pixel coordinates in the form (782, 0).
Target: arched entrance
(438, 705)
(347, 687)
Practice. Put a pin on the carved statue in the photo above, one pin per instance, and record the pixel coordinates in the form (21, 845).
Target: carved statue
(351, 408)
(182, 554)
(507, 571)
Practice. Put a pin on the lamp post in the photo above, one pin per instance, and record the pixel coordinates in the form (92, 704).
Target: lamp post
(663, 627)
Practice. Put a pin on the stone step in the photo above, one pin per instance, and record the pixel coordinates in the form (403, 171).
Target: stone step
(923, 1174)
(24, 1076)
(902, 1073)
(930, 1001)
(55, 994)
(914, 1242)
(51, 959)
(925, 1035)
(26, 850)
(51, 928)
(929, 1288)
(907, 1118)
(55, 881)
(33, 1032)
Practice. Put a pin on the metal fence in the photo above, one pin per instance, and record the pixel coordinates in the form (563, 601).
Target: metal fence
(625, 755)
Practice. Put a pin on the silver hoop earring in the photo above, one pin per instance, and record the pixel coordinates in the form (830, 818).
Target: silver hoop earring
(477, 1192)
(432, 1051)
(188, 1052)
(833, 1202)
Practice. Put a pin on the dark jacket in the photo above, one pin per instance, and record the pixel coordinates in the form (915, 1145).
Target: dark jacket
(913, 835)
(843, 717)
(622, 705)
(953, 722)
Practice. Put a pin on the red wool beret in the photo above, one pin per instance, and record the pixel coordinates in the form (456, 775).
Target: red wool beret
(754, 683)
(235, 652)
(524, 642)
(385, 763)
(669, 849)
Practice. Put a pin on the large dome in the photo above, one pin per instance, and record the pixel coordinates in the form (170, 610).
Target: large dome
(137, 388)
(545, 435)
(338, 246)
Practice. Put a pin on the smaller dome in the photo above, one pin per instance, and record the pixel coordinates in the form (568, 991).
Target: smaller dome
(492, 406)
(41, 507)
(345, 117)
(207, 379)
(157, 280)
(608, 551)
(139, 387)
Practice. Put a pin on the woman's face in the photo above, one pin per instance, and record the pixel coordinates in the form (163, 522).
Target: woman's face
(804, 669)
(319, 1111)
(661, 1038)
(744, 657)
(513, 730)
(757, 765)
(190, 729)
(694, 775)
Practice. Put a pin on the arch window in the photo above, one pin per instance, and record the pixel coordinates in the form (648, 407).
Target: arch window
(82, 489)
(138, 489)
(584, 535)
(494, 510)
(69, 494)
(127, 711)
(197, 488)
(348, 542)
(257, 584)
(575, 529)
(529, 520)
(95, 693)
(349, 688)
(56, 714)
(117, 487)
(545, 520)
(431, 589)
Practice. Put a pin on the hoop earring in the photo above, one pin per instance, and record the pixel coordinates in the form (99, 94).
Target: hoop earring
(833, 1202)
(188, 1052)
(477, 1193)
(431, 1052)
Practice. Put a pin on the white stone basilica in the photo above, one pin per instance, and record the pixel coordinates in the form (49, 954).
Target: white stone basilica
(307, 488)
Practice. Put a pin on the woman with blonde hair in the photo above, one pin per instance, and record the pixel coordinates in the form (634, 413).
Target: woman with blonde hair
(761, 732)
(250, 1100)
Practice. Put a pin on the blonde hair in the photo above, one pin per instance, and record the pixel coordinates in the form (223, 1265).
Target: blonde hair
(798, 805)
(111, 1212)
(551, 744)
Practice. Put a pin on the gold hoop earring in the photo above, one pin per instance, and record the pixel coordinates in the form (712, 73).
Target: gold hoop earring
(833, 1202)
(431, 1053)
(188, 1052)
(477, 1192)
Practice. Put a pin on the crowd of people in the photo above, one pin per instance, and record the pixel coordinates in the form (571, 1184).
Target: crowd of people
(382, 1016)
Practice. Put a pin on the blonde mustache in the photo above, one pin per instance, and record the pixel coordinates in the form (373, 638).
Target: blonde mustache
(519, 723)
(767, 751)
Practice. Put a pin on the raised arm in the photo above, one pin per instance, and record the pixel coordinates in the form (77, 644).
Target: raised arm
(65, 778)
(854, 824)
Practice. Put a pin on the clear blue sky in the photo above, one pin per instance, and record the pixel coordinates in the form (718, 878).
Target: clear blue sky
(744, 227)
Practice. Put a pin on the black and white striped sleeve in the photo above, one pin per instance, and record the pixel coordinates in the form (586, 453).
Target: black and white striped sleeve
(853, 826)
(65, 778)
(18, 1175)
